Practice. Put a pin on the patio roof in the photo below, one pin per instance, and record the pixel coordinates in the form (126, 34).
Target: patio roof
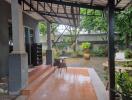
(67, 11)
(54, 13)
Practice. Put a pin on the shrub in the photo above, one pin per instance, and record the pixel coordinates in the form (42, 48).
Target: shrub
(56, 53)
(124, 85)
(79, 53)
(69, 53)
(128, 53)
(127, 64)
(101, 51)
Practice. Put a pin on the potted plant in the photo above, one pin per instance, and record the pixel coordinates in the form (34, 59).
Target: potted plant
(85, 46)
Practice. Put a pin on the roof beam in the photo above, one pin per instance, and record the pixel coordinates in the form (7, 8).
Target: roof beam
(117, 2)
(81, 5)
(63, 24)
(53, 11)
(60, 36)
(129, 3)
(91, 2)
(76, 4)
(59, 14)
(72, 12)
(54, 15)
(57, 8)
(45, 9)
(64, 7)
(77, 18)
(24, 1)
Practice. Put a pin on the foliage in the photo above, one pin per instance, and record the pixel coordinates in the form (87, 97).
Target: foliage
(128, 53)
(62, 45)
(54, 27)
(127, 64)
(56, 53)
(101, 51)
(74, 33)
(124, 25)
(78, 53)
(124, 84)
(42, 28)
(85, 45)
(69, 52)
(93, 22)
(96, 22)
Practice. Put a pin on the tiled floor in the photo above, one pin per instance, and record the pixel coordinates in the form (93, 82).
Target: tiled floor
(73, 84)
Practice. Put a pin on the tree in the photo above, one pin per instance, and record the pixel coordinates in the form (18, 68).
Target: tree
(94, 20)
(74, 33)
(123, 23)
(42, 28)
(124, 26)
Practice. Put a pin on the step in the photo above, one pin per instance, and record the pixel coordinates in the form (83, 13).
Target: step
(35, 73)
(38, 82)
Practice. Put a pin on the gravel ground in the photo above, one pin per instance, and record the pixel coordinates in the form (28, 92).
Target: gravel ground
(94, 62)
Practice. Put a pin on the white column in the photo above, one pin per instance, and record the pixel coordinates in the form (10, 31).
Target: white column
(17, 27)
(37, 34)
(18, 62)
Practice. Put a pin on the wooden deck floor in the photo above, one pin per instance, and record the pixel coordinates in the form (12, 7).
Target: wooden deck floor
(73, 84)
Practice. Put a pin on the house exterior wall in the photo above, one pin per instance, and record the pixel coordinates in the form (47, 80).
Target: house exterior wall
(5, 19)
(4, 47)
(29, 21)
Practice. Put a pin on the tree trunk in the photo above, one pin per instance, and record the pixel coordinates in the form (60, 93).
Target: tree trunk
(127, 40)
(75, 46)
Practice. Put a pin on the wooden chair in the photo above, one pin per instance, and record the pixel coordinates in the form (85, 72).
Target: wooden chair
(57, 62)
(60, 63)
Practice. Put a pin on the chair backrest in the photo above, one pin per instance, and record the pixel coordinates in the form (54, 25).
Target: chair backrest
(57, 62)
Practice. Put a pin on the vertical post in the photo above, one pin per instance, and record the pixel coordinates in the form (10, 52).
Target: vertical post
(49, 46)
(18, 62)
(17, 27)
(48, 36)
(111, 52)
(37, 34)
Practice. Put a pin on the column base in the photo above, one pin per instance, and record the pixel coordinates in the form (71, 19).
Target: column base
(18, 72)
(48, 57)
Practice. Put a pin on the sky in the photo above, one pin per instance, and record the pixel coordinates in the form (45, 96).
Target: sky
(61, 28)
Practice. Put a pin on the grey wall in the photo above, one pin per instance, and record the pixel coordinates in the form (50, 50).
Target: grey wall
(89, 37)
(29, 21)
(4, 47)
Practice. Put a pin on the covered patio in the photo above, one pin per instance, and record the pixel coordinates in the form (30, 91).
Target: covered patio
(71, 13)
(46, 82)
